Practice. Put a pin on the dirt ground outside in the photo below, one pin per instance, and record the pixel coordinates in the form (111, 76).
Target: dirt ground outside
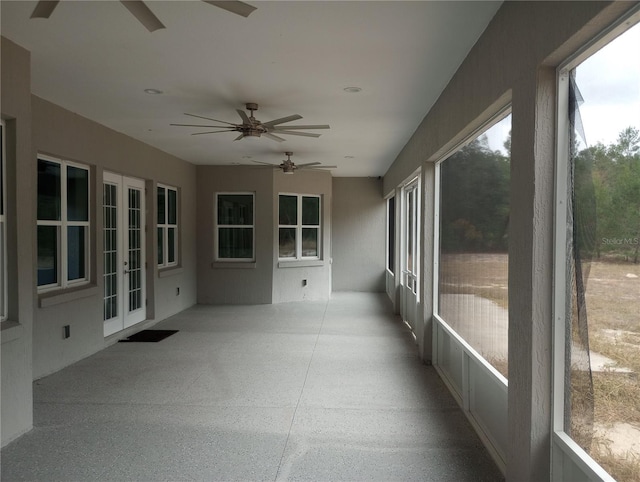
(474, 286)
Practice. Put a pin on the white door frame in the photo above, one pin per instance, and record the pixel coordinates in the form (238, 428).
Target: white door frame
(409, 285)
(124, 295)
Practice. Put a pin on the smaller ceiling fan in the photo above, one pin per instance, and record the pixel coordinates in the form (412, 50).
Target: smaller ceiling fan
(251, 127)
(145, 16)
(289, 167)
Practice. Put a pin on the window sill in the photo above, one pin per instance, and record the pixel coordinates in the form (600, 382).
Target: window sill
(233, 265)
(166, 272)
(57, 298)
(305, 263)
(11, 330)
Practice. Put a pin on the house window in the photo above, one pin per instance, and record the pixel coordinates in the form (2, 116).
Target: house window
(235, 227)
(473, 243)
(167, 226)
(597, 272)
(298, 227)
(412, 235)
(63, 224)
(3, 231)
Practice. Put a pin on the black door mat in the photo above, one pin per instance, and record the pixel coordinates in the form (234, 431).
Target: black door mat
(149, 336)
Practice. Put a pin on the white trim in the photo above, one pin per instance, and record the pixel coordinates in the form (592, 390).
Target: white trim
(560, 439)
(125, 318)
(436, 249)
(217, 260)
(63, 224)
(388, 256)
(166, 226)
(472, 352)
(606, 36)
(299, 227)
(559, 294)
(412, 188)
(589, 467)
(3, 227)
(476, 133)
(305, 263)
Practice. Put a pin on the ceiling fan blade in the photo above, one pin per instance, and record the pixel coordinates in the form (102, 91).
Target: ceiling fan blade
(209, 118)
(325, 126)
(144, 15)
(308, 164)
(233, 6)
(320, 168)
(272, 137)
(266, 163)
(282, 120)
(239, 137)
(200, 125)
(292, 133)
(44, 8)
(243, 116)
(209, 132)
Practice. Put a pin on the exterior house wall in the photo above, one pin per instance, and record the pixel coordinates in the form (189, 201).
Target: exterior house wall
(16, 350)
(358, 241)
(66, 135)
(288, 277)
(267, 280)
(231, 282)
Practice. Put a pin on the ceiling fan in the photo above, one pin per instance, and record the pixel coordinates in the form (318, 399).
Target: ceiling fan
(145, 16)
(289, 167)
(251, 127)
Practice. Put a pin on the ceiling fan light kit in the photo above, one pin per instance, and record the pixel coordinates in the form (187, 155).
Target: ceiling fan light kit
(289, 167)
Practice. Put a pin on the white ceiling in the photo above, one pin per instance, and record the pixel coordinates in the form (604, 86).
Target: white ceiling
(291, 57)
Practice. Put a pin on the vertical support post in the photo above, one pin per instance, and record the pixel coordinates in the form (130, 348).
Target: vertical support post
(531, 270)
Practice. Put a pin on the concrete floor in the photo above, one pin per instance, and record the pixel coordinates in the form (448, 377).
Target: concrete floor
(319, 391)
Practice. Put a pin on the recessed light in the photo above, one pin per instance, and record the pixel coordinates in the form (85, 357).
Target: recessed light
(349, 157)
(352, 90)
(153, 91)
(247, 157)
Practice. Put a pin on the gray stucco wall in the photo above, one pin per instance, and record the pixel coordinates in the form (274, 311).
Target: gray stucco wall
(66, 135)
(288, 277)
(235, 283)
(267, 280)
(358, 240)
(16, 350)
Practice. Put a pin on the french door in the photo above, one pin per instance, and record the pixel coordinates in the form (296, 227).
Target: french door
(124, 302)
(410, 253)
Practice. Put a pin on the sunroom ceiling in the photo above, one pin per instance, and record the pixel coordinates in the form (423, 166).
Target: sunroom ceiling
(289, 57)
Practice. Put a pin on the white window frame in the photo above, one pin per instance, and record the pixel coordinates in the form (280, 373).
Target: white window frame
(3, 226)
(216, 240)
(299, 227)
(411, 227)
(62, 225)
(563, 445)
(390, 233)
(166, 226)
